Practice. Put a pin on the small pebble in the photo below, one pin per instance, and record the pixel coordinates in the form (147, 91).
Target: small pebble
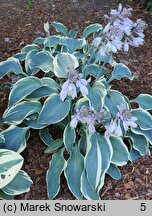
(22, 43)
(138, 171)
(148, 194)
(127, 196)
(147, 171)
(138, 180)
(7, 40)
(129, 185)
(117, 195)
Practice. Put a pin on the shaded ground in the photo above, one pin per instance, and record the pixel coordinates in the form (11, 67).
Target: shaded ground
(20, 24)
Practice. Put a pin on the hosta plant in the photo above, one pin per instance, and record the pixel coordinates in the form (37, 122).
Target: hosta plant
(63, 80)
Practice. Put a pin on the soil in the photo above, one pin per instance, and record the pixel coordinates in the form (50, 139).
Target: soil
(20, 23)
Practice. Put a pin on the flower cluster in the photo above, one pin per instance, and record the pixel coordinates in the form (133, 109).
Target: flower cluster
(74, 80)
(89, 116)
(120, 32)
(123, 121)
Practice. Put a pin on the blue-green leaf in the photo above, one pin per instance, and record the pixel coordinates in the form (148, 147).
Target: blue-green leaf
(120, 70)
(83, 141)
(46, 136)
(10, 164)
(134, 155)
(146, 133)
(97, 160)
(20, 184)
(50, 83)
(5, 196)
(31, 122)
(6, 85)
(112, 99)
(41, 92)
(87, 190)
(73, 172)
(2, 138)
(63, 63)
(15, 138)
(73, 44)
(16, 114)
(79, 55)
(23, 88)
(54, 146)
(96, 95)
(52, 41)
(93, 70)
(10, 65)
(63, 123)
(29, 56)
(20, 56)
(114, 172)
(42, 60)
(59, 27)
(69, 137)
(56, 166)
(73, 33)
(120, 152)
(106, 58)
(91, 29)
(140, 143)
(39, 40)
(106, 153)
(82, 102)
(30, 47)
(54, 110)
(144, 101)
(144, 119)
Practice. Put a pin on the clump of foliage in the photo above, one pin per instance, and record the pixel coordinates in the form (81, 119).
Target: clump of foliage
(148, 5)
(29, 5)
(63, 80)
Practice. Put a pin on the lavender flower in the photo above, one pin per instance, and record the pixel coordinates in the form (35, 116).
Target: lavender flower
(110, 129)
(88, 116)
(114, 128)
(74, 80)
(96, 42)
(74, 121)
(127, 118)
(120, 32)
(118, 130)
(120, 12)
(124, 115)
(68, 88)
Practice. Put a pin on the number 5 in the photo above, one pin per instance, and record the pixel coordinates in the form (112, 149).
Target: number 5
(143, 207)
